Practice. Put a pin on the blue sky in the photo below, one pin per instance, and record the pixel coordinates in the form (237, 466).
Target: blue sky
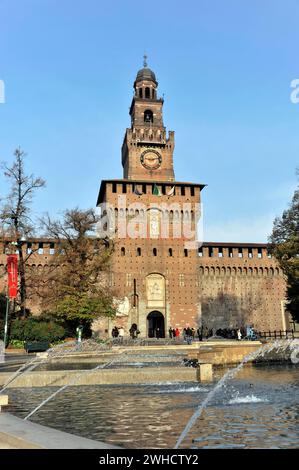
(225, 69)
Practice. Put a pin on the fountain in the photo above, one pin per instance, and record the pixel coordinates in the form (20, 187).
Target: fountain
(154, 413)
(277, 346)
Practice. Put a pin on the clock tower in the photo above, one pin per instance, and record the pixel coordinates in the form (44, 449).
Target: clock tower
(147, 150)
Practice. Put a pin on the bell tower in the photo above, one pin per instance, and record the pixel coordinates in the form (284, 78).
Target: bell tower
(147, 150)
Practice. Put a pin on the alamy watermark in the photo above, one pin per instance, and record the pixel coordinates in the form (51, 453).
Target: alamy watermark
(294, 97)
(2, 92)
(161, 220)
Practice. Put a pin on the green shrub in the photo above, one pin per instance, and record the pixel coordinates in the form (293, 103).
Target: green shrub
(33, 329)
(16, 344)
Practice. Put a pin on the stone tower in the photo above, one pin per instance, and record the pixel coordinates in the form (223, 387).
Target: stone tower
(154, 270)
(147, 152)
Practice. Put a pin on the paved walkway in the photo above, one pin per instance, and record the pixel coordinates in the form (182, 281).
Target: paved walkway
(15, 433)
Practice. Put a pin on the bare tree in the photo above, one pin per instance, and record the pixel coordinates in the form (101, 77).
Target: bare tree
(15, 214)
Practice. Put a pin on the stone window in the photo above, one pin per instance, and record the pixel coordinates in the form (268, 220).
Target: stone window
(123, 251)
(138, 251)
(155, 251)
(170, 252)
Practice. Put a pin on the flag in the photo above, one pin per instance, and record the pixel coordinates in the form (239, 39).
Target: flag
(136, 191)
(12, 271)
(171, 192)
(156, 190)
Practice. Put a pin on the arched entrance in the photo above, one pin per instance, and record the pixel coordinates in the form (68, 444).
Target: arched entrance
(155, 325)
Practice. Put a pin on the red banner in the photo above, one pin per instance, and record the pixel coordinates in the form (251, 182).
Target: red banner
(12, 271)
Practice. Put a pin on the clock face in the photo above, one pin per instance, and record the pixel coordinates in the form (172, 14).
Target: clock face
(151, 159)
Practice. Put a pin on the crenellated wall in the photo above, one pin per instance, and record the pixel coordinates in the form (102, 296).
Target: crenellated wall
(221, 285)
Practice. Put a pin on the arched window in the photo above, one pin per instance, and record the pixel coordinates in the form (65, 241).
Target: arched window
(148, 116)
(147, 93)
(140, 92)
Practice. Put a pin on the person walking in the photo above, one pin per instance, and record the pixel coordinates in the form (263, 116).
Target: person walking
(239, 334)
(177, 333)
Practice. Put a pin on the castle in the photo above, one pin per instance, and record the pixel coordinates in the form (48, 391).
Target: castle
(162, 274)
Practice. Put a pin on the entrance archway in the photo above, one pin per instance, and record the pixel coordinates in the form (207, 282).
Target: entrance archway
(155, 325)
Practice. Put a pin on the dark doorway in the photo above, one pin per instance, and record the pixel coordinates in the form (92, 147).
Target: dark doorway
(155, 324)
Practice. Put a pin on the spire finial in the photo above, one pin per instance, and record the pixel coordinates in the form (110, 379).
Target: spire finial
(145, 60)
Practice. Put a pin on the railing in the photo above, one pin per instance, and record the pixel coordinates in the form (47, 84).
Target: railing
(281, 334)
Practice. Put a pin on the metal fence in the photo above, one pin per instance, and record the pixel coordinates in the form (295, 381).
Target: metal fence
(281, 334)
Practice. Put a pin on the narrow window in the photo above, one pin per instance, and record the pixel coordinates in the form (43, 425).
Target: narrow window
(140, 92)
(250, 253)
(259, 253)
(240, 252)
(230, 252)
(210, 251)
(192, 190)
(138, 251)
(52, 248)
(148, 116)
(147, 93)
(170, 252)
(200, 254)
(123, 251)
(155, 251)
(114, 187)
(40, 248)
(29, 248)
(220, 252)
(124, 188)
(182, 190)
(185, 252)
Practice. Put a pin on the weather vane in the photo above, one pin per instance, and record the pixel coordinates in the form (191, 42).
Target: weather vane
(144, 60)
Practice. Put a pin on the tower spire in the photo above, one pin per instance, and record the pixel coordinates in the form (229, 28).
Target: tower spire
(145, 60)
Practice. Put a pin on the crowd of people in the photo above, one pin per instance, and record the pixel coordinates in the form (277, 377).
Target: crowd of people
(188, 334)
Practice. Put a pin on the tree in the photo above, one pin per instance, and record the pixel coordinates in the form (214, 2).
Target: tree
(15, 215)
(284, 245)
(75, 288)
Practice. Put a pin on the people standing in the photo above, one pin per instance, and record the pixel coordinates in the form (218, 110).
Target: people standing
(170, 332)
(188, 333)
(239, 334)
(177, 333)
(121, 334)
